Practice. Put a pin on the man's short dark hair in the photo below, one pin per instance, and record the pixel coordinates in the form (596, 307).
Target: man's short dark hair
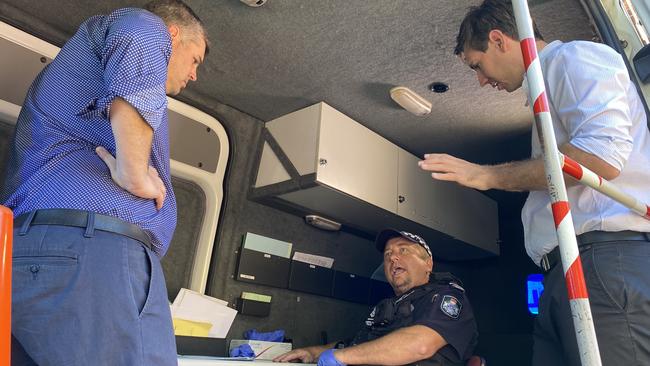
(179, 13)
(480, 20)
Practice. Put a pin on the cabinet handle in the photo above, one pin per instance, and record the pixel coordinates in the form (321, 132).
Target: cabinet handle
(322, 162)
(401, 199)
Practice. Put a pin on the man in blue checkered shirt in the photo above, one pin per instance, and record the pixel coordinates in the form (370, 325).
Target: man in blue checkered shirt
(89, 183)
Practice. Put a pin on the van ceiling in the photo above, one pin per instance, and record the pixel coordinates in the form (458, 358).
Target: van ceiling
(289, 54)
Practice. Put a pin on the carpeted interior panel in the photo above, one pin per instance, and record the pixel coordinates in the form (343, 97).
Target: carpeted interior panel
(6, 134)
(177, 263)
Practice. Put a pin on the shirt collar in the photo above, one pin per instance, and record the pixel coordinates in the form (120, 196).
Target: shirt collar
(540, 55)
(548, 48)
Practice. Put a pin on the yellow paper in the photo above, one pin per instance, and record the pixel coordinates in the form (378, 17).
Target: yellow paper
(184, 327)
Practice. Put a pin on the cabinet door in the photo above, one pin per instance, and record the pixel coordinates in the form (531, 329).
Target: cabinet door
(461, 212)
(356, 161)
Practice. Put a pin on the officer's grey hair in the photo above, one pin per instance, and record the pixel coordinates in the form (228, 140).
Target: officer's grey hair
(178, 13)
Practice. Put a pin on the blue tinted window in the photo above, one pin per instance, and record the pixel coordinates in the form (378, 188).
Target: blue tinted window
(535, 289)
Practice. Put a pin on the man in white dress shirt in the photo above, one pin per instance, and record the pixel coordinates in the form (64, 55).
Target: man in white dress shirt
(599, 121)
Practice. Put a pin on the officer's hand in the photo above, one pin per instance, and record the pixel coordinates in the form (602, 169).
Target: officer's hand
(328, 358)
(299, 354)
(150, 186)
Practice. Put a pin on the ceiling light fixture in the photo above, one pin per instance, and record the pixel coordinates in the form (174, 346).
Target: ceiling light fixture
(322, 223)
(410, 100)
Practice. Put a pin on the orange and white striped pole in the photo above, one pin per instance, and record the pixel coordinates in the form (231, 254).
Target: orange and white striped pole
(593, 180)
(6, 232)
(575, 281)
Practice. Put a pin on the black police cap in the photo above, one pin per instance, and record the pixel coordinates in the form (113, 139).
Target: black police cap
(385, 235)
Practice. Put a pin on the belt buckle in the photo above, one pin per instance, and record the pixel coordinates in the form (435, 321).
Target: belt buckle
(544, 263)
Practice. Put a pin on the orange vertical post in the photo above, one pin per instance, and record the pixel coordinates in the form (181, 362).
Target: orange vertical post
(6, 236)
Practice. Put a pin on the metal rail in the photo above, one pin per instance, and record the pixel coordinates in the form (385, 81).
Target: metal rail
(593, 180)
(576, 286)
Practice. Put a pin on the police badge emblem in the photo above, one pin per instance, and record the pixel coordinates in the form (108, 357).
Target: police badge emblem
(450, 306)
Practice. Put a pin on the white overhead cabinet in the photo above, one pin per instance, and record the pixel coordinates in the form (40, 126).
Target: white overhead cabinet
(319, 161)
(462, 213)
(355, 160)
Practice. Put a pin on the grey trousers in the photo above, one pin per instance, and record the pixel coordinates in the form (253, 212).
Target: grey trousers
(618, 283)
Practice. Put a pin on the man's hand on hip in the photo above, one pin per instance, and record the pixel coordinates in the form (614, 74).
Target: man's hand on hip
(149, 186)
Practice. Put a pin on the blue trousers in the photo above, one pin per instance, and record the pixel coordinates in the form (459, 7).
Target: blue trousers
(88, 297)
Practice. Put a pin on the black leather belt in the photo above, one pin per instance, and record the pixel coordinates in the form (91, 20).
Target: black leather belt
(83, 219)
(586, 240)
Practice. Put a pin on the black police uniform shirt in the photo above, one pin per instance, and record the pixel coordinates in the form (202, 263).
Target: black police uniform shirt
(440, 305)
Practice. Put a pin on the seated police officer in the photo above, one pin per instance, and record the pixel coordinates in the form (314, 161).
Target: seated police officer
(428, 322)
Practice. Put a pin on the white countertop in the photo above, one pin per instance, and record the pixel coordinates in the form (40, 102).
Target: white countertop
(206, 361)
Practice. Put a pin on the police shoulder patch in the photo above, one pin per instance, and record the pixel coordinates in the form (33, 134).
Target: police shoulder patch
(450, 306)
(370, 320)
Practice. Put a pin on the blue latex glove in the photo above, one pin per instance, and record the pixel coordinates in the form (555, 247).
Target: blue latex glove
(275, 336)
(243, 350)
(327, 358)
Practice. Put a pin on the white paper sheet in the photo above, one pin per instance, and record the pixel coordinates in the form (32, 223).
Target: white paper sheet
(191, 305)
(195, 297)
